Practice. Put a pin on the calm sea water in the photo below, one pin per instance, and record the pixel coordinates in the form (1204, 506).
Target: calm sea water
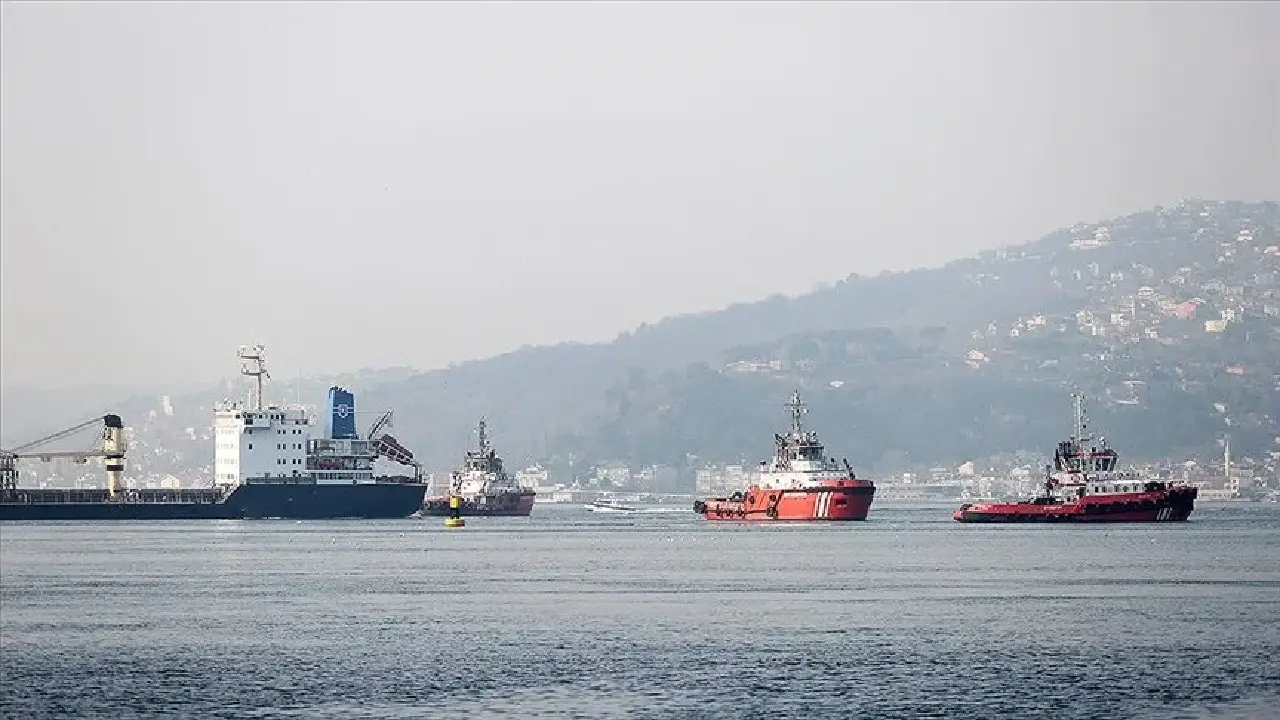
(569, 614)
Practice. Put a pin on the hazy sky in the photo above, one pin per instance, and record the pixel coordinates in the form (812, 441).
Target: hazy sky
(372, 184)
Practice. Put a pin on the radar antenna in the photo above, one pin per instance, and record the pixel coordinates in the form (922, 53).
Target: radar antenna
(253, 363)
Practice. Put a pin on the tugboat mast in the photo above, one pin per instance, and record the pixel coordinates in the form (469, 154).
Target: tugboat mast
(484, 437)
(798, 410)
(1079, 424)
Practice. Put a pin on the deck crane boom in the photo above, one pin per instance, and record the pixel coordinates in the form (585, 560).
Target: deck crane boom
(111, 449)
(387, 447)
(383, 421)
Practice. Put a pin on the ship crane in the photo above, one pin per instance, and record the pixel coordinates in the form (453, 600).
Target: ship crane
(386, 446)
(111, 448)
(384, 420)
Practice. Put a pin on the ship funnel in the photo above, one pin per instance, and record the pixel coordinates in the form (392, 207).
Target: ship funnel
(341, 415)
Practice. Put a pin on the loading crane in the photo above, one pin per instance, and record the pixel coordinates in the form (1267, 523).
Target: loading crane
(388, 447)
(111, 448)
(384, 421)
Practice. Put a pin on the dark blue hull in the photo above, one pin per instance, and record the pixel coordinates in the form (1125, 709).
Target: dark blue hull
(292, 501)
(326, 502)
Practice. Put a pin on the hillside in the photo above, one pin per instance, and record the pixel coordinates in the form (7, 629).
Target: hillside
(1169, 319)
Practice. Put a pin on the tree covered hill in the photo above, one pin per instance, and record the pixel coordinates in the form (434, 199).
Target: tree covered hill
(1168, 319)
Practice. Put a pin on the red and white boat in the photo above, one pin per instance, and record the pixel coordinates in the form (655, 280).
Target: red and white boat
(1083, 485)
(482, 486)
(799, 483)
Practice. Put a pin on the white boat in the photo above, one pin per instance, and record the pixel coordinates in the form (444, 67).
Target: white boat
(608, 506)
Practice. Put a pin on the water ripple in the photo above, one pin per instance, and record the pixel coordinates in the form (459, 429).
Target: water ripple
(659, 616)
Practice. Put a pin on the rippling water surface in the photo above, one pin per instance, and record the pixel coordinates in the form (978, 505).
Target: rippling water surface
(569, 614)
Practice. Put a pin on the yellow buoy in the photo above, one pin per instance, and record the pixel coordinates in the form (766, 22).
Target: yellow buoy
(455, 517)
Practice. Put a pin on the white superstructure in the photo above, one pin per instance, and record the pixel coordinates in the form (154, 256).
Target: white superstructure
(273, 444)
(482, 472)
(269, 442)
(1083, 466)
(799, 459)
(256, 441)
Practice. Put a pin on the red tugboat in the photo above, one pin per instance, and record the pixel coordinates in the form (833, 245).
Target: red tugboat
(483, 486)
(1083, 485)
(799, 483)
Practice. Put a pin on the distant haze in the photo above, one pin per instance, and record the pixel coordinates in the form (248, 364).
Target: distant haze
(363, 184)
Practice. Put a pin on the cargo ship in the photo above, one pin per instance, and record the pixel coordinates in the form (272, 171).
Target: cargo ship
(1084, 485)
(267, 465)
(799, 483)
(483, 486)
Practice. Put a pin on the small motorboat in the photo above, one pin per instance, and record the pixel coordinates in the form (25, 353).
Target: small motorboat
(609, 506)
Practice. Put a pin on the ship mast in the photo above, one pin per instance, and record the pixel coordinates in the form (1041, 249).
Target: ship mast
(484, 437)
(797, 408)
(1079, 424)
(254, 365)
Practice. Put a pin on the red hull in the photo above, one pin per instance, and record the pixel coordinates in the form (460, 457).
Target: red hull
(1170, 505)
(501, 505)
(842, 500)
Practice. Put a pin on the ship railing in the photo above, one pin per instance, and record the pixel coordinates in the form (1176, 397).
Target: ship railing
(63, 496)
(397, 480)
(281, 480)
